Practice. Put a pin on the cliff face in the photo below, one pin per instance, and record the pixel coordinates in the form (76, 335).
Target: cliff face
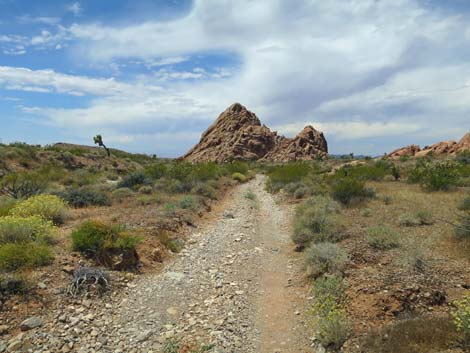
(238, 134)
(440, 148)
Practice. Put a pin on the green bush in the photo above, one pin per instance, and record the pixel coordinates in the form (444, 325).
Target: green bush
(6, 204)
(85, 197)
(156, 171)
(121, 194)
(463, 206)
(236, 167)
(350, 191)
(188, 202)
(146, 189)
(49, 207)
(15, 229)
(205, 190)
(281, 175)
(250, 195)
(418, 218)
(14, 256)
(461, 318)
(330, 287)
(370, 171)
(101, 241)
(464, 157)
(133, 180)
(462, 228)
(22, 185)
(204, 172)
(434, 176)
(239, 177)
(170, 209)
(382, 238)
(326, 258)
(334, 328)
(316, 221)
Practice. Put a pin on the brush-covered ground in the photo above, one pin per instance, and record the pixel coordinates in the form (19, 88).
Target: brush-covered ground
(386, 249)
(341, 255)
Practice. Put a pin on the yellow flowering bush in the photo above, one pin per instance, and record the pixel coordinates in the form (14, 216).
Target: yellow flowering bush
(461, 316)
(49, 207)
(15, 229)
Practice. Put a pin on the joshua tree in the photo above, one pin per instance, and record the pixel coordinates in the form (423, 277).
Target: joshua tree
(99, 141)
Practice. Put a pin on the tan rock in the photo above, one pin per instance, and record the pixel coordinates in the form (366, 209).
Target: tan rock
(238, 134)
(410, 150)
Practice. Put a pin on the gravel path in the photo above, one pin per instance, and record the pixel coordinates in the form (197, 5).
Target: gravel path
(235, 287)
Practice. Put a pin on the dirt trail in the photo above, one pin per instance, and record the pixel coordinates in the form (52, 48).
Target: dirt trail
(236, 287)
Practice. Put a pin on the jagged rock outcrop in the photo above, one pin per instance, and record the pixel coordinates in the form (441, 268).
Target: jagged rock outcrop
(238, 134)
(440, 148)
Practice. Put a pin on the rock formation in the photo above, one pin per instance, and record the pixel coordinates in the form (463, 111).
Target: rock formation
(440, 148)
(238, 134)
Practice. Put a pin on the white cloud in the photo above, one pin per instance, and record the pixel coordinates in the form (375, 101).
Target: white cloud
(75, 8)
(18, 78)
(360, 69)
(48, 20)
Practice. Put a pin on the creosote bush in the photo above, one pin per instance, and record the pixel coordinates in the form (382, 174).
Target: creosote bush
(6, 204)
(121, 194)
(350, 191)
(316, 221)
(85, 197)
(382, 238)
(434, 176)
(133, 180)
(326, 258)
(101, 241)
(281, 175)
(49, 207)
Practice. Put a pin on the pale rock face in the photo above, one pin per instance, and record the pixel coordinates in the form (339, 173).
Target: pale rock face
(238, 134)
(440, 148)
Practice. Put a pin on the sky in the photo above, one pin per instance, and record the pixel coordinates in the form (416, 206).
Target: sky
(151, 76)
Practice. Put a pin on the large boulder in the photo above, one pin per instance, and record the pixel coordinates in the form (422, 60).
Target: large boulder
(238, 134)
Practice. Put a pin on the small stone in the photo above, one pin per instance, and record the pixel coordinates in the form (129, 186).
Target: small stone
(144, 336)
(42, 285)
(31, 323)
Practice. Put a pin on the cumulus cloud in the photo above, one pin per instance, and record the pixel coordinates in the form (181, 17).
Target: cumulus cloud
(359, 69)
(75, 8)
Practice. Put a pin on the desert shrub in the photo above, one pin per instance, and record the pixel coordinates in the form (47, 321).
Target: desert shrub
(316, 221)
(22, 185)
(326, 258)
(370, 171)
(461, 318)
(133, 180)
(15, 229)
(464, 157)
(180, 171)
(6, 204)
(236, 167)
(330, 287)
(334, 328)
(239, 177)
(301, 192)
(382, 238)
(101, 241)
(350, 191)
(205, 190)
(14, 256)
(413, 254)
(14, 283)
(418, 218)
(156, 171)
(166, 239)
(365, 212)
(463, 206)
(279, 176)
(121, 194)
(462, 228)
(146, 189)
(387, 199)
(417, 335)
(49, 207)
(434, 176)
(188, 202)
(204, 172)
(146, 200)
(250, 195)
(170, 208)
(85, 197)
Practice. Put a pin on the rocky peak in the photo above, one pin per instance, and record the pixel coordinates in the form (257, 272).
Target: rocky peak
(238, 134)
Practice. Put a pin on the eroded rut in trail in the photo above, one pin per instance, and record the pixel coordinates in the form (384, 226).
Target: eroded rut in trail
(236, 286)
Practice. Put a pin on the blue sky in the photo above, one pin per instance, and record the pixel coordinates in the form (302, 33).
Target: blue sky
(150, 76)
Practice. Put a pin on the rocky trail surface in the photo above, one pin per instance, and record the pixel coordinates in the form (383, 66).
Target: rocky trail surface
(236, 287)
